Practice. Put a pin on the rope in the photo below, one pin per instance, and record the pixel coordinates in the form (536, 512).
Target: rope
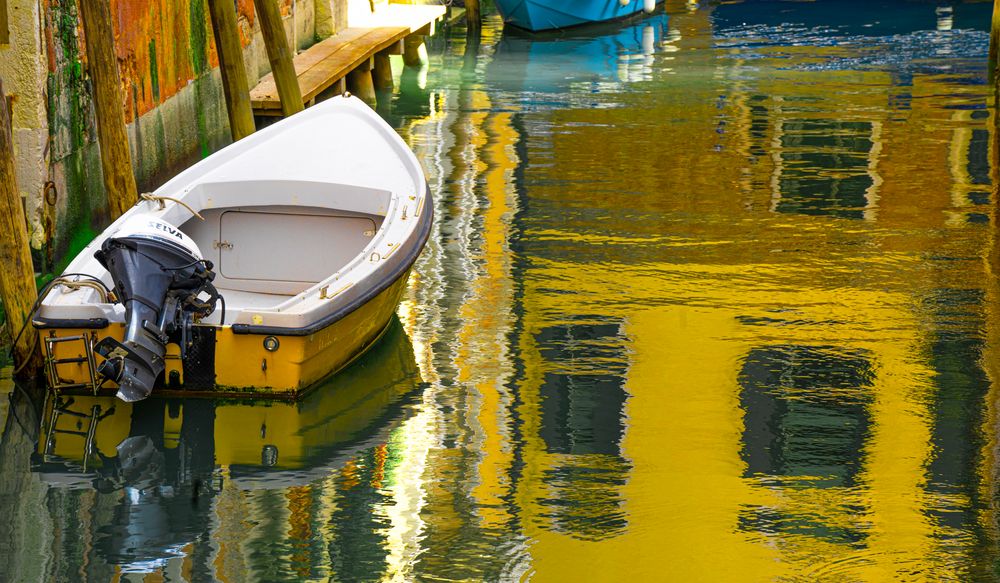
(160, 199)
(27, 359)
(75, 285)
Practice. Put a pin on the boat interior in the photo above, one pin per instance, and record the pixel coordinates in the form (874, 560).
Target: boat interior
(265, 253)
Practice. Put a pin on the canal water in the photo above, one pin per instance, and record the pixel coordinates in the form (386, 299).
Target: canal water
(712, 295)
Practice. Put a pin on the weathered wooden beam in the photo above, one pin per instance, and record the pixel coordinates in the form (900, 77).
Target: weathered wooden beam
(102, 64)
(17, 276)
(382, 72)
(234, 74)
(359, 82)
(280, 56)
(473, 18)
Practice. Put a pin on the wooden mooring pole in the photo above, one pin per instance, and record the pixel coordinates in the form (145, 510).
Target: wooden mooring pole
(234, 74)
(280, 56)
(17, 276)
(116, 160)
(473, 18)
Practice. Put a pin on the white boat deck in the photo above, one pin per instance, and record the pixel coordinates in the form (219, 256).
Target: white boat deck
(244, 300)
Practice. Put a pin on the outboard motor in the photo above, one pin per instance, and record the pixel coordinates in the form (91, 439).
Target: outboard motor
(159, 274)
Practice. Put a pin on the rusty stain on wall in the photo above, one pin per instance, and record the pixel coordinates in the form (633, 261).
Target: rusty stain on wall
(162, 45)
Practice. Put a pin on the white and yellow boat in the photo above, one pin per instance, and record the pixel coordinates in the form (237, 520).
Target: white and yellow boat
(262, 269)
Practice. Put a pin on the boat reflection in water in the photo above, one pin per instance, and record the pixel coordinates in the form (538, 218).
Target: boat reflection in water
(579, 61)
(167, 463)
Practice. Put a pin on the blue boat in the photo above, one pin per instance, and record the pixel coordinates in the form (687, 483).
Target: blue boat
(537, 15)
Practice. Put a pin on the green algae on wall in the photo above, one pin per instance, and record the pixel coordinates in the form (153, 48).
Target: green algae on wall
(199, 36)
(154, 75)
(71, 132)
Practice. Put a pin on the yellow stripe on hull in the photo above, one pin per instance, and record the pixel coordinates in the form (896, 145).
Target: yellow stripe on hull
(244, 367)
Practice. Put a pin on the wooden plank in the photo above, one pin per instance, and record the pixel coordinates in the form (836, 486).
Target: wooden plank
(327, 62)
(17, 276)
(348, 39)
(102, 63)
(323, 49)
(234, 75)
(413, 16)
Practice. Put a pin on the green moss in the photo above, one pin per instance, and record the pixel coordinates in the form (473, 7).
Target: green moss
(199, 37)
(154, 75)
(68, 91)
(84, 212)
(203, 96)
(78, 241)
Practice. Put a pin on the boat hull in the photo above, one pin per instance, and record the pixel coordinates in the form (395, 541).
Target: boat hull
(254, 360)
(539, 15)
(312, 256)
(241, 365)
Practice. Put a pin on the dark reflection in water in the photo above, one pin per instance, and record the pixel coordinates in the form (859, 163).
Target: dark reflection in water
(132, 487)
(711, 296)
(582, 403)
(805, 412)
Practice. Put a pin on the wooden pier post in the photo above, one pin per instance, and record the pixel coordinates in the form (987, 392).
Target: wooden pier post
(994, 43)
(382, 72)
(473, 41)
(17, 275)
(234, 74)
(102, 63)
(280, 56)
(473, 18)
(360, 83)
(415, 51)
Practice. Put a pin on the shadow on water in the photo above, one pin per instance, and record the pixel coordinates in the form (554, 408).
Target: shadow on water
(129, 486)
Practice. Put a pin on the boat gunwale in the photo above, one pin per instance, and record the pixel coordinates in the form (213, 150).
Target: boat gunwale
(390, 277)
(556, 31)
(43, 323)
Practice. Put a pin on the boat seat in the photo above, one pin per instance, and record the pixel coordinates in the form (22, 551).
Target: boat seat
(238, 299)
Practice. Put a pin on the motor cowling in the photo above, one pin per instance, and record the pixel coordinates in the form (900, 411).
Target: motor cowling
(159, 274)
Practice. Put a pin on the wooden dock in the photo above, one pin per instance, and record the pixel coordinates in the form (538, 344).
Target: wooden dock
(324, 69)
